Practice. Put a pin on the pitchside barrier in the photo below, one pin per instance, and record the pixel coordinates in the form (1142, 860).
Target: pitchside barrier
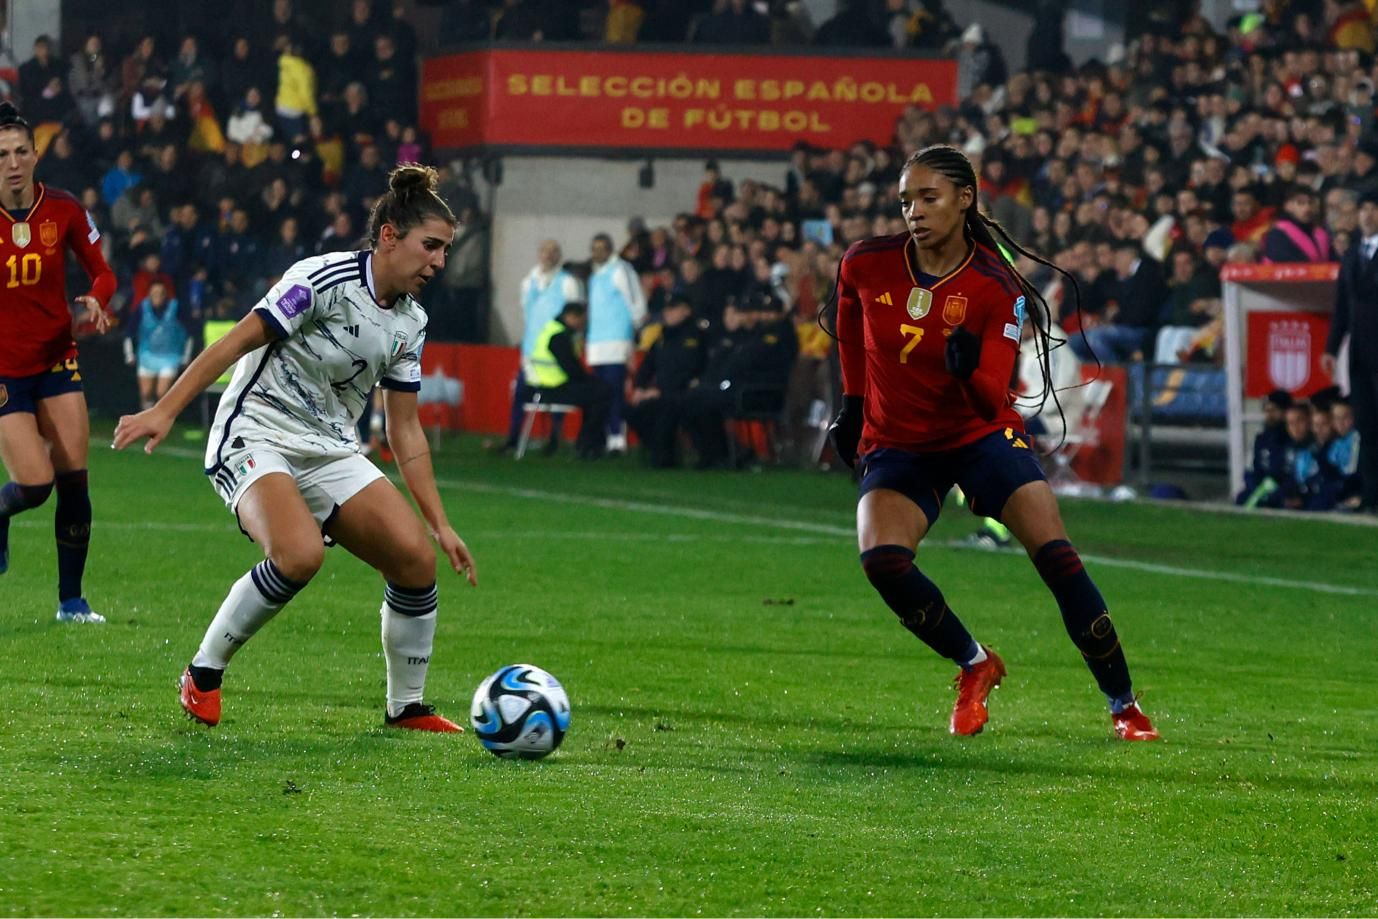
(1276, 321)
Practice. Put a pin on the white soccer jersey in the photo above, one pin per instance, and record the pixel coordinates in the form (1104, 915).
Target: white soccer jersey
(304, 393)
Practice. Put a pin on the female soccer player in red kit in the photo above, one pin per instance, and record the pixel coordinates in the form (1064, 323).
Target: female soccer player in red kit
(43, 423)
(928, 325)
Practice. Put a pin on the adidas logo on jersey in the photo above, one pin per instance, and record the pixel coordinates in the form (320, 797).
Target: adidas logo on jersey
(352, 330)
(885, 299)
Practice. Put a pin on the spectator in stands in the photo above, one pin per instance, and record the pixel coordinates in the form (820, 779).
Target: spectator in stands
(245, 68)
(296, 93)
(1343, 487)
(732, 22)
(391, 81)
(248, 126)
(980, 62)
(1295, 237)
(189, 66)
(43, 84)
(616, 307)
(91, 81)
(1131, 320)
(1251, 221)
(852, 26)
(1356, 317)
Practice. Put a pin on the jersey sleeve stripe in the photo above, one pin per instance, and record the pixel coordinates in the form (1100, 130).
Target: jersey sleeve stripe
(337, 281)
(399, 385)
(327, 268)
(267, 316)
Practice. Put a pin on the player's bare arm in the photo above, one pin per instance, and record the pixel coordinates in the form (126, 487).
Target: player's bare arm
(248, 335)
(407, 438)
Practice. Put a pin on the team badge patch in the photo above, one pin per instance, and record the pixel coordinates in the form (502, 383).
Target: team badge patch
(920, 301)
(20, 234)
(246, 465)
(47, 232)
(294, 301)
(955, 310)
(399, 343)
(4, 395)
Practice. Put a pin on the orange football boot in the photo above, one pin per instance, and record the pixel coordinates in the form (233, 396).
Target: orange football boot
(1133, 724)
(969, 714)
(419, 717)
(199, 706)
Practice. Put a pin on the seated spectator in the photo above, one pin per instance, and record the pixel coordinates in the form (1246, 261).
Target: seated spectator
(1343, 487)
(673, 361)
(249, 127)
(555, 370)
(1131, 320)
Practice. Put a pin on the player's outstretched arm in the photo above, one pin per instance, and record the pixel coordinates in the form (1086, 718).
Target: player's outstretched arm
(249, 334)
(407, 440)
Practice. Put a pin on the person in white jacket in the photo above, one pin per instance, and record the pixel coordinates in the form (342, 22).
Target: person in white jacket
(617, 307)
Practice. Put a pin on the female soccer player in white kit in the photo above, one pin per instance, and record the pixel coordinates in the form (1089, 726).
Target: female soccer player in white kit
(284, 455)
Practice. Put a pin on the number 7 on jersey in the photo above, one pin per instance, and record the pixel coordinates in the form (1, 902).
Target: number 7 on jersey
(907, 330)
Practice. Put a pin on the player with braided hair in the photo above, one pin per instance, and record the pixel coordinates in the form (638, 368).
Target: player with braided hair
(928, 324)
(284, 452)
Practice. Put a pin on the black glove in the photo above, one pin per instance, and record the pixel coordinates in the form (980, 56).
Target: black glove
(962, 354)
(845, 431)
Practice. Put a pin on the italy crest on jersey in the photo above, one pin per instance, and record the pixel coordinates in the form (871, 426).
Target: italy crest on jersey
(920, 302)
(21, 234)
(399, 344)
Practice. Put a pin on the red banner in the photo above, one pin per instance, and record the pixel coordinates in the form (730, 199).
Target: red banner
(672, 101)
(1285, 352)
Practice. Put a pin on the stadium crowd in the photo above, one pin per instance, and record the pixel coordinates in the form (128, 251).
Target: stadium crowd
(217, 161)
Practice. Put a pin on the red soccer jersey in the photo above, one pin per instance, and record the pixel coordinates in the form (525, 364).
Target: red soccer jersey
(892, 331)
(35, 319)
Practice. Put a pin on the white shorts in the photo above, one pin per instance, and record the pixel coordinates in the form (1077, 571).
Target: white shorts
(326, 484)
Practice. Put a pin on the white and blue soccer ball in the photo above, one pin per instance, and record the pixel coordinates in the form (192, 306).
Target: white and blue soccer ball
(520, 712)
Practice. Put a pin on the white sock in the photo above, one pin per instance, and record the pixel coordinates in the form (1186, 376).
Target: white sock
(407, 642)
(980, 656)
(251, 602)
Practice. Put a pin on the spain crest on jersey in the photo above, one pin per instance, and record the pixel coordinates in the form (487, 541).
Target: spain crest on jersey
(47, 232)
(20, 233)
(920, 302)
(955, 310)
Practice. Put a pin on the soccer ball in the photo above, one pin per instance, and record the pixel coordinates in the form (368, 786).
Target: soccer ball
(520, 712)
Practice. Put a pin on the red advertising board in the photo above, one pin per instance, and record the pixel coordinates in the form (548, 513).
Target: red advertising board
(1284, 352)
(573, 98)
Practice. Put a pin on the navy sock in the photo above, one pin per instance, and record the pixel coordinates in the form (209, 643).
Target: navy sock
(72, 527)
(411, 601)
(1085, 617)
(917, 602)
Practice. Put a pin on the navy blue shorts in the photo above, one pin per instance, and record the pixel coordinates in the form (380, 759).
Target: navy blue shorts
(22, 394)
(989, 471)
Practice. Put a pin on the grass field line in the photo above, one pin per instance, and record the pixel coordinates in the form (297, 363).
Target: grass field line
(819, 530)
(828, 530)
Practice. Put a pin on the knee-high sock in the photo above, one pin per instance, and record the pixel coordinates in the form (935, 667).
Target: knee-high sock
(408, 615)
(72, 528)
(1086, 618)
(918, 603)
(252, 601)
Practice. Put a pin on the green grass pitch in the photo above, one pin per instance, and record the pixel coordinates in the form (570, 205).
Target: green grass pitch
(753, 732)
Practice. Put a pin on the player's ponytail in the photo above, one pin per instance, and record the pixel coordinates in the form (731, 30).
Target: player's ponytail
(10, 118)
(410, 200)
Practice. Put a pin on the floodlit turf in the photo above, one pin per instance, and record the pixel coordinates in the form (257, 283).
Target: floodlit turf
(753, 733)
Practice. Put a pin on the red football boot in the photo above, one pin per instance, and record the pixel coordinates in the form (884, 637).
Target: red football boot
(199, 706)
(969, 714)
(1133, 724)
(419, 717)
